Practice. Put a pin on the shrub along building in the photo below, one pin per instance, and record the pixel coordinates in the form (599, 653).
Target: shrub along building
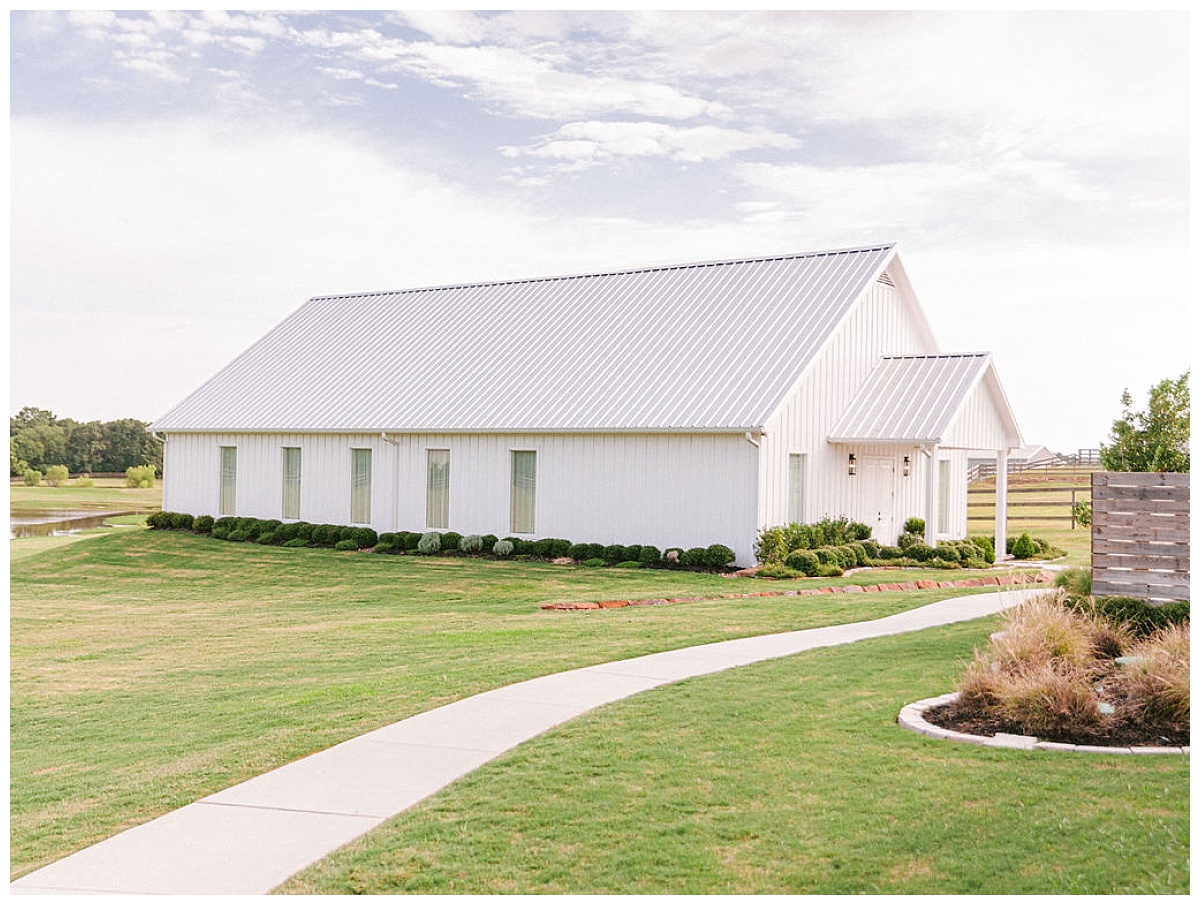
(674, 406)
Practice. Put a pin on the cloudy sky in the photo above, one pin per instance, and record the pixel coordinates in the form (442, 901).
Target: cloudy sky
(180, 182)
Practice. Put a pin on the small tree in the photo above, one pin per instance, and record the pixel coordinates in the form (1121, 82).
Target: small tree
(1156, 439)
(32, 477)
(139, 476)
(57, 474)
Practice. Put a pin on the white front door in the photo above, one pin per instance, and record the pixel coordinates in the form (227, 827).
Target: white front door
(877, 492)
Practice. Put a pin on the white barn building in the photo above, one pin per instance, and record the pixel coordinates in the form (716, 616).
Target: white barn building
(675, 406)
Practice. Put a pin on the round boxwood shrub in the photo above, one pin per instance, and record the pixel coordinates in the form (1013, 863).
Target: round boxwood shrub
(430, 543)
(580, 552)
(921, 552)
(181, 521)
(363, 537)
(947, 552)
(450, 541)
(471, 544)
(595, 562)
(615, 553)
(387, 543)
(408, 540)
(718, 556)
(804, 561)
(203, 524)
(502, 548)
(296, 542)
(287, 531)
(694, 558)
(522, 546)
(1023, 547)
(552, 548)
(649, 555)
(348, 544)
(269, 539)
(489, 541)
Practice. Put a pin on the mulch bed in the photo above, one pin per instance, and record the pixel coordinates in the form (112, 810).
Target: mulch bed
(960, 719)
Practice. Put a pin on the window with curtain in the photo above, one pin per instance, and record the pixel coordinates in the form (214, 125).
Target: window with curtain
(291, 482)
(228, 502)
(943, 525)
(524, 491)
(437, 488)
(797, 463)
(360, 486)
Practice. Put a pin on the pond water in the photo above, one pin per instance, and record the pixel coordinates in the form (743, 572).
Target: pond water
(47, 522)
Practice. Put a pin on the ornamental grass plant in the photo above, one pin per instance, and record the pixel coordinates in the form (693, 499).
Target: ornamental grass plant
(1064, 675)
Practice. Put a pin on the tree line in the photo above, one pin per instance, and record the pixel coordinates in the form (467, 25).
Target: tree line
(39, 439)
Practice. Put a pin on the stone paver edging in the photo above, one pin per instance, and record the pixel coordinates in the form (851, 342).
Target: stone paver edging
(912, 716)
(923, 584)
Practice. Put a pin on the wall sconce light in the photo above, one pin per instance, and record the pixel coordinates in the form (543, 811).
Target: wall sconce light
(907, 466)
(852, 467)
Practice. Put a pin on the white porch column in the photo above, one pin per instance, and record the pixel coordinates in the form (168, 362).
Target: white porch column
(1001, 503)
(931, 496)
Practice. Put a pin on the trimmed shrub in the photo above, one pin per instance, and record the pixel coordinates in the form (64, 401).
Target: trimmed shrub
(408, 540)
(387, 543)
(887, 553)
(650, 556)
(908, 539)
(270, 538)
(296, 542)
(203, 524)
(775, 570)
(552, 548)
(595, 562)
(614, 553)
(31, 478)
(182, 521)
(450, 541)
(489, 541)
(521, 546)
(580, 552)
(717, 557)
(915, 526)
(1024, 547)
(502, 548)
(364, 537)
(325, 535)
(947, 552)
(430, 543)
(986, 547)
(860, 552)
(631, 564)
(158, 521)
(304, 530)
(804, 562)
(827, 556)
(471, 544)
(57, 474)
(694, 558)
(345, 545)
(921, 552)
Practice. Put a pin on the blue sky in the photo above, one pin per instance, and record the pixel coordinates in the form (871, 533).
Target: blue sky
(180, 182)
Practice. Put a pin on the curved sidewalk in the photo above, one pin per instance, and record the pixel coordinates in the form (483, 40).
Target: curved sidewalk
(250, 838)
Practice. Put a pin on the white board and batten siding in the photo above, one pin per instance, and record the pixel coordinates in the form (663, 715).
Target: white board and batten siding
(883, 323)
(663, 489)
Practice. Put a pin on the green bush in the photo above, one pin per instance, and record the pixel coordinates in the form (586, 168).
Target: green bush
(887, 553)
(552, 548)
(324, 535)
(580, 552)
(717, 557)
(921, 552)
(269, 539)
(908, 539)
(1024, 547)
(947, 552)
(1076, 582)
(650, 556)
(915, 526)
(388, 542)
(408, 540)
(347, 544)
(32, 477)
(296, 542)
(1139, 616)
(502, 548)
(595, 562)
(203, 524)
(1082, 510)
(614, 553)
(57, 474)
(84, 480)
(364, 537)
(804, 562)
(181, 521)
(693, 558)
(430, 543)
(139, 476)
(471, 544)
(489, 541)
(986, 547)
(630, 564)
(450, 541)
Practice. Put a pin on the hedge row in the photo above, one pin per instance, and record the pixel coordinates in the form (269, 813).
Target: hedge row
(715, 557)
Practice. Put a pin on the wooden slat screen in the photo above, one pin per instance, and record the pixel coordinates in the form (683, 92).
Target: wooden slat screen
(1141, 535)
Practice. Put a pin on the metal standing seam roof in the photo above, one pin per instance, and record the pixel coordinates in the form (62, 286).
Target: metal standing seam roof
(910, 398)
(714, 346)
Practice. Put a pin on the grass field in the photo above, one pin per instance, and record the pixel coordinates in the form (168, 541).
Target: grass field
(149, 669)
(1051, 522)
(785, 777)
(106, 493)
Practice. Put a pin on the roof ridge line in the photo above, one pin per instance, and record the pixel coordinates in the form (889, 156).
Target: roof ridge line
(607, 273)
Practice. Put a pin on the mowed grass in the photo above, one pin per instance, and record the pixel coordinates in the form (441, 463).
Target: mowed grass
(106, 493)
(785, 777)
(149, 669)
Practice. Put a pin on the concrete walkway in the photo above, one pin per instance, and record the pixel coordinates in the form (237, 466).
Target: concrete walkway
(250, 838)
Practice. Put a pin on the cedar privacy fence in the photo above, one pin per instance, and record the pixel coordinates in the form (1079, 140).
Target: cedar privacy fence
(1141, 535)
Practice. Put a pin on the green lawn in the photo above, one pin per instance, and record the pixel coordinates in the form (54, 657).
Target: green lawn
(150, 669)
(785, 777)
(107, 493)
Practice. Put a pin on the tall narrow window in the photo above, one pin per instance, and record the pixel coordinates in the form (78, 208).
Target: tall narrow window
(437, 490)
(360, 486)
(291, 482)
(943, 525)
(228, 480)
(797, 463)
(524, 491)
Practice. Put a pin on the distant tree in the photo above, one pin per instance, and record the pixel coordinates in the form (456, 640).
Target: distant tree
(1157, 439)
(39, 439)
(57, 474)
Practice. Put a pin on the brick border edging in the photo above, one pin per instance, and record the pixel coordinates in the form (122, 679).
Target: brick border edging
(912, 717)
(923, 584)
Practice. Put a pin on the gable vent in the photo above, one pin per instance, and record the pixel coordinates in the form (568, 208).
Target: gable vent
(885, 279)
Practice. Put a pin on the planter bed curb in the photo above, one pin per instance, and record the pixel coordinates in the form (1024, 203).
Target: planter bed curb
(912, 717)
